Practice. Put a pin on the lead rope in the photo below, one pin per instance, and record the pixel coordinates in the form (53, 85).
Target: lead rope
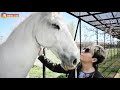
(75, 72)
(93, 75)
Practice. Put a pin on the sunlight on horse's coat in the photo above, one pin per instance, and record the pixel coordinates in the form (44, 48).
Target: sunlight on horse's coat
(46, 29)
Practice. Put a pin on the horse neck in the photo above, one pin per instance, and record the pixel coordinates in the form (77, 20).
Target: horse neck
(21, 45)
(23, 34)
(20, 50)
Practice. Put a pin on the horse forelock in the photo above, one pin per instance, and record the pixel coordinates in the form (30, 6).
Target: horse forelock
(55, 14)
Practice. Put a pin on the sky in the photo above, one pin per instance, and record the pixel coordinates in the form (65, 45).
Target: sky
(8, 24)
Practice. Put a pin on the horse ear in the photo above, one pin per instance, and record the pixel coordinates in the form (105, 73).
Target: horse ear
(55, 13)
(45, 13)
(50, 13)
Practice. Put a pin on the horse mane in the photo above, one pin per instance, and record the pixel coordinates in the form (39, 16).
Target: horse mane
(27, 19)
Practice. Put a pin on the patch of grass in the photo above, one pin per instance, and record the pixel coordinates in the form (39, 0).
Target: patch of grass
(62, 76)
(119, 71)
(51, 74)
(111, 75)
(114, 70)
(37, 72)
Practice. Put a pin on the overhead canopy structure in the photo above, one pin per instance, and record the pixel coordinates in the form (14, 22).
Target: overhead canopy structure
(105, 21)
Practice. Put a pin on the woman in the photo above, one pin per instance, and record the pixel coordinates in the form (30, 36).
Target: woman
(87, 68)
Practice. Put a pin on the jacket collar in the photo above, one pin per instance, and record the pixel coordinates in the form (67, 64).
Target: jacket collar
(79, 68)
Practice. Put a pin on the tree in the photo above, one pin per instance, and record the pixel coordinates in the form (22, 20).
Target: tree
(71, 28)
(87, 34)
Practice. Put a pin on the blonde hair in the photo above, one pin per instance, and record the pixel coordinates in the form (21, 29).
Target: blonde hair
(99, 53)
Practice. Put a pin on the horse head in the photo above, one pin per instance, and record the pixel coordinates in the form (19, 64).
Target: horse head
(52, 32)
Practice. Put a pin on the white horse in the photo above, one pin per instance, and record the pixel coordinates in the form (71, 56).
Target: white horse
(47, 29)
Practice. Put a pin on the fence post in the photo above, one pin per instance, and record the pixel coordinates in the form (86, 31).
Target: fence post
(44, 75)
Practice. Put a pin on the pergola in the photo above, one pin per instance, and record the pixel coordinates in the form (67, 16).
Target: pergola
(105, 21)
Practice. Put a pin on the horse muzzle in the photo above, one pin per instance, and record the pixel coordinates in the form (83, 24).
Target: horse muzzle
(67, 67)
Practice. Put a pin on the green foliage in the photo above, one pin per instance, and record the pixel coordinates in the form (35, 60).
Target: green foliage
(37, 72)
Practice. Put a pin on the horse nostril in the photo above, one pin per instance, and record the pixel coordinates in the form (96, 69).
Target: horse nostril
(75, 62)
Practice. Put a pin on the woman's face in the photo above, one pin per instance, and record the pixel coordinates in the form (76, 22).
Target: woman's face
(86, 55)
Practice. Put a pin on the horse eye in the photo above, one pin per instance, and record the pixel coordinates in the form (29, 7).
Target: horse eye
(56, 26)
